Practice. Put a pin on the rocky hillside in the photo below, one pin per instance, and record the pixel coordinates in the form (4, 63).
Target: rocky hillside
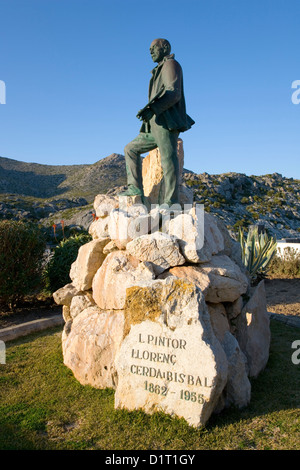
(240, 200)
(50, 181)
(48, 193)
(51, 193)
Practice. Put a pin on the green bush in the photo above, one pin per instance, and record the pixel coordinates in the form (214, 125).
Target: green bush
(21, 257)
(57, 270)
(240, 223)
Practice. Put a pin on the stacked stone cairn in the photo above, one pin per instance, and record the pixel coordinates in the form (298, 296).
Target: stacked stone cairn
(161, 309)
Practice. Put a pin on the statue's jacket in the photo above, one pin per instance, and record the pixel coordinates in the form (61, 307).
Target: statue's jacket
(169, 107)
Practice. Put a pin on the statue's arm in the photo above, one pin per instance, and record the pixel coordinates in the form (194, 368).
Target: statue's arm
(172, 80)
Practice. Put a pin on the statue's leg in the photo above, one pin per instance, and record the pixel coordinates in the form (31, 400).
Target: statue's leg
(143, 143)
(167, 144)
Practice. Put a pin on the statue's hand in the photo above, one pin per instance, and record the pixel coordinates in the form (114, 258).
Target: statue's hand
(145, 114)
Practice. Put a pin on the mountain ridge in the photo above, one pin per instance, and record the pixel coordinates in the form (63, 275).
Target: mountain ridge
(46, 181)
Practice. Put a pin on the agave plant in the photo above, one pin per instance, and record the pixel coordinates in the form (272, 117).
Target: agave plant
(258, 250)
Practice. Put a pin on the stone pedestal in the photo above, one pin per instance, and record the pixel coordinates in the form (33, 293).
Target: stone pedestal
(171, 324)
(153, 177)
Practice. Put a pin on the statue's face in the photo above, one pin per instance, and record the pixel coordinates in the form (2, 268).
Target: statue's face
(157, 51)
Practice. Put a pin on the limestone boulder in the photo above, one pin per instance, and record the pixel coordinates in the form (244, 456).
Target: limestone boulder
(64, 295)
(213, 237)
(118, 228)
(135, 210)
(253, 331)
(104, 204)
(66, 313)
(119, 271)
(198, 235)
(221, 280)
(111, 246)
(190, 273)
(175, 302)
(89, 259)
(131, 205)
(238, 387)
(158, 248)
(161, 215)
(170, 360)
(153, 182)
(90, 348)
(152, 176)
(139, 225)
(126, 226)
(190, 236)
(99, 228)
(234, 309)
(227, 282)
(219, 320)
(80, 302)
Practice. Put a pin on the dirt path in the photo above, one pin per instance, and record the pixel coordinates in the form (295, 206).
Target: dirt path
(23, 315)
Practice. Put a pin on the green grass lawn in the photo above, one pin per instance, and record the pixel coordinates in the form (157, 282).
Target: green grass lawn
(42, 406)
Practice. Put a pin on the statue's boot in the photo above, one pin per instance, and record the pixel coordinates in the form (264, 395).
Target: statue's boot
(131, 191)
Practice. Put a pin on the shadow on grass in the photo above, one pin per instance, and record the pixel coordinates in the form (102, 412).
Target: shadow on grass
(277, 387)
(11, 440)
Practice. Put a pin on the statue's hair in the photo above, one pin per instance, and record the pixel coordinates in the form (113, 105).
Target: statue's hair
(165, 42)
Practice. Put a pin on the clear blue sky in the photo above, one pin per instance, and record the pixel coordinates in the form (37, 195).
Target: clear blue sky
(77, 72)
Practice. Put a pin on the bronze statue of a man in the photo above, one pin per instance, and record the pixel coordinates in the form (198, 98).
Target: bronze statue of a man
(164, 117)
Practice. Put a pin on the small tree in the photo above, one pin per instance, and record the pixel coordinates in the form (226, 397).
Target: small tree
(21, 255)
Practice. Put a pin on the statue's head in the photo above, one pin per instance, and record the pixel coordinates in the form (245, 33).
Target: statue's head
(159, 49)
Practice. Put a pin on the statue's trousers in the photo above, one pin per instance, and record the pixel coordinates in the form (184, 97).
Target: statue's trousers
(166, 141)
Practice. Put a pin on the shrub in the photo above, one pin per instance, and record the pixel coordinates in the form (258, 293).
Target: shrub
(21, 256)
(56, 273)
(288, 265)
(240, 223)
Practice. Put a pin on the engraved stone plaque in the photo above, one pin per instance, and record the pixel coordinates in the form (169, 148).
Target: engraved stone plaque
(181, 372)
